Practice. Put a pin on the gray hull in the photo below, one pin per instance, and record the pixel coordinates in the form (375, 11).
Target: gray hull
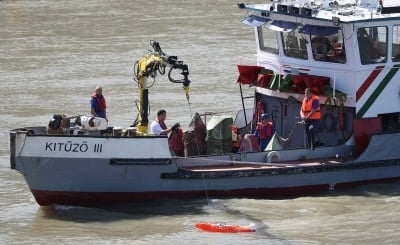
(98, 178)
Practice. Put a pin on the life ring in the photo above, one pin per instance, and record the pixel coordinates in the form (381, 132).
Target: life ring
(329, 122)
(341, 122)
(273, 155)
(223, 228)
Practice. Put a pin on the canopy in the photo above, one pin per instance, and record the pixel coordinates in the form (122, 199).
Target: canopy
(283, 26)
(319, 30)
(255, 20)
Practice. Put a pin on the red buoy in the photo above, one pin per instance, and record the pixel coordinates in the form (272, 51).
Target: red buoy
(223, 228)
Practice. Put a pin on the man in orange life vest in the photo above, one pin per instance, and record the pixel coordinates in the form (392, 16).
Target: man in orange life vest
(310, 113)
(98, 103)
(264, 131)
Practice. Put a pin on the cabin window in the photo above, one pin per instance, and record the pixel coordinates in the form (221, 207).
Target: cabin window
(267, 40)
(329, 48)
(396, 44)
(372, 44)
(294, 45)
(390, 121)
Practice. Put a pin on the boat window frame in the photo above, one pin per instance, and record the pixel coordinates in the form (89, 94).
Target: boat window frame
(395, 56)
(329, 48)
(294, 45)
(261, 33)
(369, 44)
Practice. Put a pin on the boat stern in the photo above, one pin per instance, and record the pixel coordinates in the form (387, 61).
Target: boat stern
(17, 137)
(16, 143)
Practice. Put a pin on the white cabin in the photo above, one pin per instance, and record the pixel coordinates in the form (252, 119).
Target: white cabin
(356, 44)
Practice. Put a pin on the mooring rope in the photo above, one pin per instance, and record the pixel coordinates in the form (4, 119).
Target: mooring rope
(198, 150)
(290, 133)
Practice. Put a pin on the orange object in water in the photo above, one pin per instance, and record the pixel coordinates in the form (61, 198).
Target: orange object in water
(223, 228)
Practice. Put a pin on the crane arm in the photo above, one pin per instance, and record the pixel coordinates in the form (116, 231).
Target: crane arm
(148, 66)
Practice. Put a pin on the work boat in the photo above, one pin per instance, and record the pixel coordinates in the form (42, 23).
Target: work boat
(348, 53)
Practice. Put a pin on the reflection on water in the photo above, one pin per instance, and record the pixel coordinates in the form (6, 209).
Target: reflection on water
(360, 214)
(53, 53)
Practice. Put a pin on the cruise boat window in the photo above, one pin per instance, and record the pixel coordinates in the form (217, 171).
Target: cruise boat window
(328, 48)
(294, 45)
(372, 44)
(267, 40)
(396, 44)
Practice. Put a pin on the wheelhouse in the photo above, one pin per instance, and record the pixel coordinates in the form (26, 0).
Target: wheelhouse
(354, 45)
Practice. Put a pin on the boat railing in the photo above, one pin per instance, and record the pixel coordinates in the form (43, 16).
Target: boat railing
(336, 76)
(296, 70)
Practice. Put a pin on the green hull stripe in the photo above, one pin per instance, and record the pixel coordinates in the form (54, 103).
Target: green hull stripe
(377, 91)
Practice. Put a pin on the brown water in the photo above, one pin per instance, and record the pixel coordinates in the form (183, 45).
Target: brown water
(53, 54)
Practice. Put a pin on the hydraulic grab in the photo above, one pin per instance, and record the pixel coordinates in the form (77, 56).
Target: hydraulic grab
(148, 66)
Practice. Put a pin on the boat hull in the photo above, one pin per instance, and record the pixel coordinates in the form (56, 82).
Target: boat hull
(45, 198)
(95, 182)
(122, 174)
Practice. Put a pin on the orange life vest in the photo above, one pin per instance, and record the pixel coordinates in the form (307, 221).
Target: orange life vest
(264, 131)
(306, 108)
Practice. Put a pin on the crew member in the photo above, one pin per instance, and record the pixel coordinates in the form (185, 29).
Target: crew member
(310, 113)
(98, 103)
(320, 47)
(365, 46)
(264, 131)
(158, 126)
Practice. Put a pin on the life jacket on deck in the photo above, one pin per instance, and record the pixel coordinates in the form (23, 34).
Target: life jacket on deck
(264, 132)
(306, 107)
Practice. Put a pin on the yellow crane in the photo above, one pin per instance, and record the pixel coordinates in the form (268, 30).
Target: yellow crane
(148, 66)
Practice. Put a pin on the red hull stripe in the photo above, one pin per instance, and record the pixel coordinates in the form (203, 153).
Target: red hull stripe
(377, 92)
(368, 82)
(106, 198)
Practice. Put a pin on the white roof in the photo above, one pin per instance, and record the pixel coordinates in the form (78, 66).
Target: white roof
(344, 10)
